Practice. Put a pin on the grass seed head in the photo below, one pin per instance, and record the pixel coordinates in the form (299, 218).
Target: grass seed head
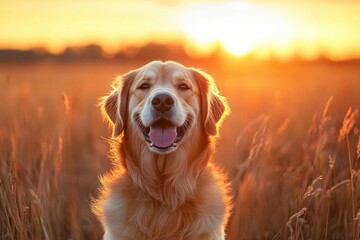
(348, 123)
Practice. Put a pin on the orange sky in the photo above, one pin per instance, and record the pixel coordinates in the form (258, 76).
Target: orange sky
(265, 27)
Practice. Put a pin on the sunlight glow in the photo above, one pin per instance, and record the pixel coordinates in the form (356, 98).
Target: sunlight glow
(263, 29)
(238, 26)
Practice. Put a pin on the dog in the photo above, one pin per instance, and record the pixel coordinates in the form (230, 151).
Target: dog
(165, 119)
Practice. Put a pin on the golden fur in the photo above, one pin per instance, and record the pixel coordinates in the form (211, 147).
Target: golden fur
(177, 193)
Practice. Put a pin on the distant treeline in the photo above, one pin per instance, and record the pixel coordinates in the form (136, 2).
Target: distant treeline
(95, 52)
(148, 52)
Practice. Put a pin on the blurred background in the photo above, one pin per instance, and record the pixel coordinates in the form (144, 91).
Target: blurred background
(291, 73)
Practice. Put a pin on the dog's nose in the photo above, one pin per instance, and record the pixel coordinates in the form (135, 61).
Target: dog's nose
(162, 102)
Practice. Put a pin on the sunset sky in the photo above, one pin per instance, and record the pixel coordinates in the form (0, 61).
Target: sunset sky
(264, 27)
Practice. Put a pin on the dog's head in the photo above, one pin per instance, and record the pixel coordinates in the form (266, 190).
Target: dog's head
(165, 104)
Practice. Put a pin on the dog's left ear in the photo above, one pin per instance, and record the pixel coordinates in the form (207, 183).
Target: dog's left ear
(114, 106)
(214, 107)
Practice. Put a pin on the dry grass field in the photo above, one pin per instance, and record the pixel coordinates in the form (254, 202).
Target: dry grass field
(291, 147)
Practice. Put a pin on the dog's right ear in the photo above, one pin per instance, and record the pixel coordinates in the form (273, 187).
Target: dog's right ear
(214, 107)
(114, 106)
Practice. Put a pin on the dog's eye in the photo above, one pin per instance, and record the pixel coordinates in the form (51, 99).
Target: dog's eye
(184, 87)
(144, 86)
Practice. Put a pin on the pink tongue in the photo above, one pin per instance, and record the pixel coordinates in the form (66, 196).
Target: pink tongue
(162, 136)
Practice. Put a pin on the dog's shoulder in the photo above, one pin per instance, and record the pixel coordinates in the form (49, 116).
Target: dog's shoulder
(118, 189)
(118, 199)
(213, 197)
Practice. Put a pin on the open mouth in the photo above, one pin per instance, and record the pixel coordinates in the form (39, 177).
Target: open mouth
(163, 134)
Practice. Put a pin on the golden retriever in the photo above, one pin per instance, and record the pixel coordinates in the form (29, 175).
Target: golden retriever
(165, 120)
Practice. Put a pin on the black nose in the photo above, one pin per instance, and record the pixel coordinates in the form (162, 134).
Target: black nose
(162, 102)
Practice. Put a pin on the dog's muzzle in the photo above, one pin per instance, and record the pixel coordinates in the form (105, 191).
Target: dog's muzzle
(162, 133)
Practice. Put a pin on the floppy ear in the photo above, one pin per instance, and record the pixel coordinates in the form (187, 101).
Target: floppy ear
(114, 106)
(214, 107)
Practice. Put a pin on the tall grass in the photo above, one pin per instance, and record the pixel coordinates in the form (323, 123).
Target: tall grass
(291, 150)
(30, 179)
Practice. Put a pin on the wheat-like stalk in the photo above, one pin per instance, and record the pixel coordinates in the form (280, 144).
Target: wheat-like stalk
(348, 123)
(297, 216)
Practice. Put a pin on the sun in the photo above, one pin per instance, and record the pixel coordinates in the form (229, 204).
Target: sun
(239, 27)
(238, 46)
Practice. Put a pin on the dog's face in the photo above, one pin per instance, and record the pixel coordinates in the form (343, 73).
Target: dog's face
(163, 104)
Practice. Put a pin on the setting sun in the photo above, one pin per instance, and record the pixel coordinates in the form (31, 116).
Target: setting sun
(264, 29)
(239, 27)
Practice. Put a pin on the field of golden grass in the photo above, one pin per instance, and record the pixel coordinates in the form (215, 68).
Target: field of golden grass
(291, 148)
